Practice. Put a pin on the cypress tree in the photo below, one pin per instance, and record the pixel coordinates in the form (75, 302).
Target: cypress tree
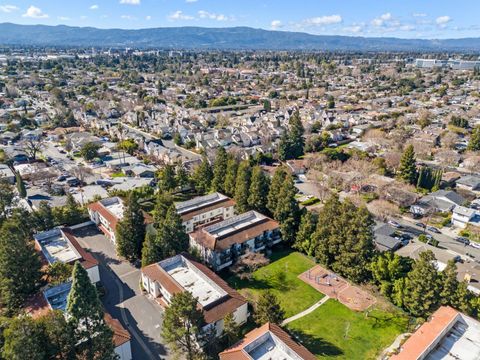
(275, 186)
(474, 142)
(448, 278)
(59, 336)
(220, 170)
(408, 167)
(268, 309)
(22, 191)
(162, 203)
(242, 187)
(85, 315)
(257, 200)
(303, 239)
(231, 176)
(71, 212)
(24, 339)
(202, 176)
(130, 230)
(287, 212)
(166, 179)
(44, 217)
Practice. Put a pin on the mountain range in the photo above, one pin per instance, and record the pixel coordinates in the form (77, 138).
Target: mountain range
(232, 38)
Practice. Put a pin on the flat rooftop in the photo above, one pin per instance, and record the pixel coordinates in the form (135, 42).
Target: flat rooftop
(56, 247)
(114, 205)
(57, 296)
(234, 224)
(190, 278)
(199, 202)
(268, 346)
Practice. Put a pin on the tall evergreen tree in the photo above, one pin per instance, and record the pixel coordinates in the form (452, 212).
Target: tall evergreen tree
(287, 212)
(231, 330)
(422, 286)
(85, 315)
(202, 176)
(275, 187)
(19, 266)
(474, 142)
(166, 178)
(408, 166)
(130, 230)
(268, 309)
(24, 339)
(22, 191)
(220, 170)
(182, 324)
(162, 203)
(71, 212)
(242, 187)
(230, 176)
(44, 217)
(59, 335)
(292, 143)
(303, 239)
(257, 200)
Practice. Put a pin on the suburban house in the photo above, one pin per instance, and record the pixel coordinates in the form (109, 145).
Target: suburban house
(221, 243)
(267, 342)
(438, 201)
(462, 216)
(448, 334)
(385, 238)
(181, 273)
(205, 209)
(469, 182)
(6, 174)
(59, 245)
(106, 213)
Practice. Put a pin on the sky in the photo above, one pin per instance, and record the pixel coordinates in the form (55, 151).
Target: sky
(396, 18)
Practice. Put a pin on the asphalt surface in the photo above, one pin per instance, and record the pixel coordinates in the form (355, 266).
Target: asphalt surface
(123, 298)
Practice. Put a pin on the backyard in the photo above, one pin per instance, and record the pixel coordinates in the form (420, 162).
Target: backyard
(281, 277)
(333, 331)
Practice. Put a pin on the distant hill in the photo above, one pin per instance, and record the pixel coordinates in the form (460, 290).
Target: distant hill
(239, 38)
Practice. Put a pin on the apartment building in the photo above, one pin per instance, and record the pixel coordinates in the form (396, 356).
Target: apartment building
(205, 209)
(181, 273)
(106, 213)
(221, 243)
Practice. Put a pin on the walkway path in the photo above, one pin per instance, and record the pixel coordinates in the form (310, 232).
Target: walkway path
(395, 345)
(306, 312)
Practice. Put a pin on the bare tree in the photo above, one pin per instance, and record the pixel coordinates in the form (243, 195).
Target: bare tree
(33, 146)
(383, 209)
(248, 263)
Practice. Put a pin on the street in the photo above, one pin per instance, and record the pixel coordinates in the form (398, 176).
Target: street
(123, 298)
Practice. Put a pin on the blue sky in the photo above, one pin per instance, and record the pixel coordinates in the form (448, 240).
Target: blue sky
(399, 18)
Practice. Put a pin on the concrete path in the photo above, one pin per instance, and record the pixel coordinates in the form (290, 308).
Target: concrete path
(395, 345)
(306, 312)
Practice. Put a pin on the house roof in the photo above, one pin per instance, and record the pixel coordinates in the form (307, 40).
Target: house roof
(237, 352)
(120, 334)
(472, 181)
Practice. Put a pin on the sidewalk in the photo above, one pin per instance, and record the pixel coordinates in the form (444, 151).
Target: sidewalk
(306, 312)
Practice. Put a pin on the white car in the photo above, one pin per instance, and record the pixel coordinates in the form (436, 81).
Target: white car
(475, 244)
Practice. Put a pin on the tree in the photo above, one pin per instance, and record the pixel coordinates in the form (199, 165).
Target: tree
(7, 196)
(202, 176)
(19, 266)
(259, 185)
(292, 143)
(85, 315)
(181, 177)
(275, 186)
(89, 151)
(247, 263)
(162, 203)
(230, 176)
(182, 323)
(59, 273)
(33, 146)
(388, 267)
(24, 339)
(343, 239)
(170, 239)
(422, 286)
(231, 330)
(166, 179)
(408, 166)
(71, 213)
(128, 145)
(22, 191)
(44, 217)
(330, 102)
(303, 240)
(130, 230)
(220, 170)
(59, 336)
(287, 212)
(268, 309)
(242, 187)
(474, 142)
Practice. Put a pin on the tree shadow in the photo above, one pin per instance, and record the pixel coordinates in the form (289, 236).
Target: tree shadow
(386, 320)
(315, 344)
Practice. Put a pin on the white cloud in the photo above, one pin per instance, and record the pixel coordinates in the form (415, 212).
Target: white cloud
(94, 7)
(190, 1)
(130, 2)
(407, 27)
(148, 18)
(353, 29)
(442, 21)
(380, 21)
(35, 13)
(419, 15)
(276, 24)
(63, 18)
(208, 15)
(323, 20)
(8, 8)
(179, 15)
(128, 17)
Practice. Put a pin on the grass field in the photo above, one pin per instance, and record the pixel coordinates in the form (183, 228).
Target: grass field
(281, 277)
(333, 331)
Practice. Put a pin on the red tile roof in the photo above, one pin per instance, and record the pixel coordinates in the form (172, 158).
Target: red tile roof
(103, 211)
(426, 335)
(120, 335)
(236, 352)
(87, 261)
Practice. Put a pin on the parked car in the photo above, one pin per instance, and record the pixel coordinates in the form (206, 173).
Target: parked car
(62, 178)
(419, 224)
(474, 244)
(394, 224)
(462, 240)
(433, 229)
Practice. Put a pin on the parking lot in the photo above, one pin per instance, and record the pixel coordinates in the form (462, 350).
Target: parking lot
(123, 297)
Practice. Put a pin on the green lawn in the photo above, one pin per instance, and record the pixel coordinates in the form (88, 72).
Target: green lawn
(280, 276)
(333, 331)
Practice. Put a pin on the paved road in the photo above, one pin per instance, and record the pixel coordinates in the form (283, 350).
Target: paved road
(54, 153)
(123, 299)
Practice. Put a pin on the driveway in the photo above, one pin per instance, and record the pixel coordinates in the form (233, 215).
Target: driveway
(124, 299)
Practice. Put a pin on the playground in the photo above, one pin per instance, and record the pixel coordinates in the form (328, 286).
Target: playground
(338, 288)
